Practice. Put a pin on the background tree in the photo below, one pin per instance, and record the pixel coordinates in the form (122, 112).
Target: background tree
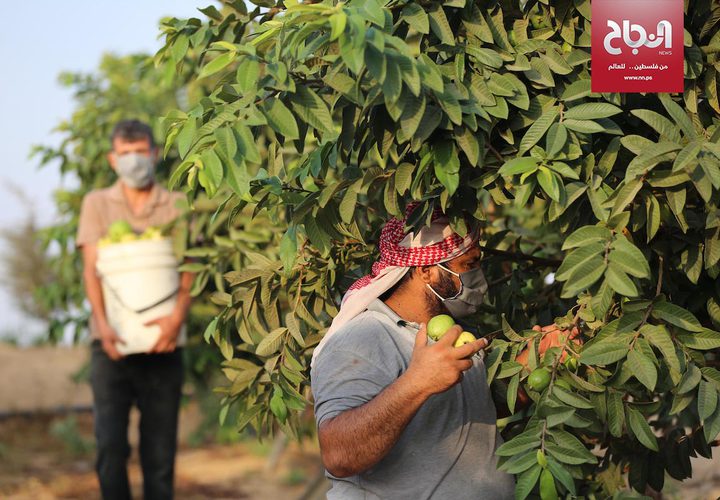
(25, 263)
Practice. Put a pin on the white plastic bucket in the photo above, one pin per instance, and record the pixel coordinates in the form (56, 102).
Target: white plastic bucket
(140, 281)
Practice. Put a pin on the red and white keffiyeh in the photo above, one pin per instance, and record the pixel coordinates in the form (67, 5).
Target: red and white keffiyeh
(399, 251)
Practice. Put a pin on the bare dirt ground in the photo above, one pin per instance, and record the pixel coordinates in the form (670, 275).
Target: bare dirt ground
(46, 453)
(44, 457)
(50, 455)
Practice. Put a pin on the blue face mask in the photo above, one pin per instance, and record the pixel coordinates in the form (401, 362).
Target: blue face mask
(467, 300)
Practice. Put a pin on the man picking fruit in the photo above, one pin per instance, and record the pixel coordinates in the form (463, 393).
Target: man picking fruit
(400, 415)
(150, 381)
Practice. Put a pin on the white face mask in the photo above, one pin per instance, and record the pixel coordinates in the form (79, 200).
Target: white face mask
(470, 296)
(135, 169)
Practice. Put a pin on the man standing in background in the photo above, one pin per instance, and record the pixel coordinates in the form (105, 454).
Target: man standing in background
(152, 381)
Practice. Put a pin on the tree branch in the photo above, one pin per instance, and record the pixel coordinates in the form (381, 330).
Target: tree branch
(519, 256)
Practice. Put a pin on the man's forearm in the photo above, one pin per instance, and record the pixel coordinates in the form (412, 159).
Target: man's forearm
(93, 290)
(357, 439)
(182, 304)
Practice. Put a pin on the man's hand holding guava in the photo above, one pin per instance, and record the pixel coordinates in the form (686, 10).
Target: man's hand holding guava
(437, 367)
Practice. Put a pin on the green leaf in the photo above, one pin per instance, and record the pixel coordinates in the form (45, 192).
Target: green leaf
(687, 156)
(650, 158)
(658, 336)
(337, 25)
(213, 167)
(711, 427)
(217, 64)
(641, 429)
(488, 57)
(403, 177)
(659, 123)
(591, 111)
(690, 379)
(526, 482)
(238, 180)
(679, 115)
(538, 129)
(277, 405)
(467, 141)
(248, 75)
(512, 392)
(576, 90)
(604, 352)
(549, 183)
(347, 205)
(584, 276)
(680, 402)
(519, 166)
(706, 400)
(584, 126)
(225, 143)
(570, 398)
(625, 195)
(431, 76)
(312, 109)
(186, 137)
(440, 26)
(561, 474)
(447, 166)
(652, 214)
(271, 343)
(211, 328)
(374, 12)
(288, 250)
(520, 443)
(615, 413)
(519, 463)
(572, 456)
(280, 118)
(703, 340)
(676, 201)
(676, 315)
(586, 235)
(619, 281)
(247, 145)
(584, 384)
(578, 257)
(627, 257)
(556, 138)
(643, 369)
(416, 17)
(412, 115)
(557, 415)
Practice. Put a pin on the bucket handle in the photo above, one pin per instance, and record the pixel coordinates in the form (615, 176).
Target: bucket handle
(146, 308)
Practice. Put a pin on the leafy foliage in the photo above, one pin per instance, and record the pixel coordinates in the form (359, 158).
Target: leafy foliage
(321, 120)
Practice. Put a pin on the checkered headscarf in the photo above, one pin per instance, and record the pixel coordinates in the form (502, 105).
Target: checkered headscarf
(399, 251)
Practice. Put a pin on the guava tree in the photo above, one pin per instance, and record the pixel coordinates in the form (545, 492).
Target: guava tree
(600, 210)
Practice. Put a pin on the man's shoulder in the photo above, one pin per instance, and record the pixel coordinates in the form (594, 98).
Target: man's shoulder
(97, 196)
(367, 332)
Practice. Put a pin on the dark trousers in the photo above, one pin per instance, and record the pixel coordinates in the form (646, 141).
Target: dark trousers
(152, 382)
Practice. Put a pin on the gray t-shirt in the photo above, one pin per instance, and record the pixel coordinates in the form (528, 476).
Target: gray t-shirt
(447, 449)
